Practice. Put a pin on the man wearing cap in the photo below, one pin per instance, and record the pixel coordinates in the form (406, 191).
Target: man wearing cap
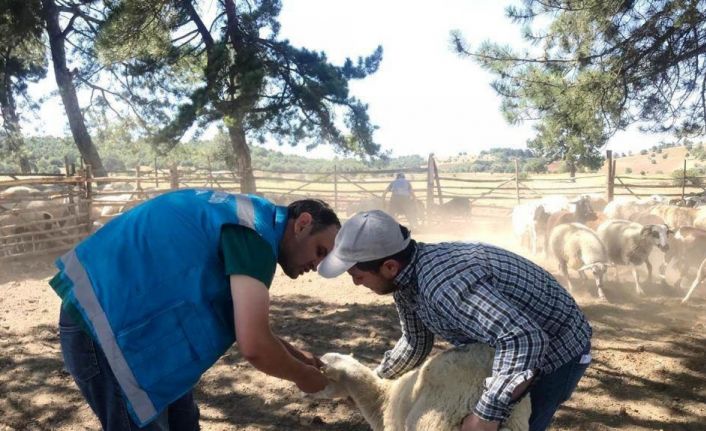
(402, 199)
(471, 293)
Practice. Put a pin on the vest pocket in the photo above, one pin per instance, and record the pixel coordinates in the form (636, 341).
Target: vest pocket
(159, 345)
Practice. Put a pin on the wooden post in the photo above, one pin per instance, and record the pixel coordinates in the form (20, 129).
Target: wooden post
(335, 188)
(174, 174)
(138, 185)
(156, 174)
(683, 182)
(210, 171)
(517, 181)
(430, 184)
(89, 181)
(438, 182)
(69, 187)
(66, 166)
(611, 175)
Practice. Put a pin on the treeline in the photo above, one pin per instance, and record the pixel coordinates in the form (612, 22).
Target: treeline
(47, 155)
(500, 160)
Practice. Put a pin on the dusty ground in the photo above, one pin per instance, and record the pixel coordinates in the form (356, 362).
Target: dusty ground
(649, 370)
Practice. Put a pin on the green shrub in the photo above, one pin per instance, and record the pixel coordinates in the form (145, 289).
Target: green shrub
(693, 176)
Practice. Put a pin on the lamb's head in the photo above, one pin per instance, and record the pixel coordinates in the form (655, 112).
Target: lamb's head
(598, 269)
(338, 369)
(657, 234)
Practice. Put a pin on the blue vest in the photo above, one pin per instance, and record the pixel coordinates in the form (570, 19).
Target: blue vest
(152, 289)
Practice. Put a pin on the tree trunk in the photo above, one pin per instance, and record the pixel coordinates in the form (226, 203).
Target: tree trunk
(12, 125)
(571, 165)
(67, 89)
(242, 153)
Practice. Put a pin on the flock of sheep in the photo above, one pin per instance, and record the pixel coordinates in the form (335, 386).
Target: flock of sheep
(589, 234)
(43, 218)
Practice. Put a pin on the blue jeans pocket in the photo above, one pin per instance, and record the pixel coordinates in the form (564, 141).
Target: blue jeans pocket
(79, 352)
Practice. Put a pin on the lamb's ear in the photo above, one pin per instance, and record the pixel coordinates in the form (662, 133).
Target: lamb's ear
(332, 373)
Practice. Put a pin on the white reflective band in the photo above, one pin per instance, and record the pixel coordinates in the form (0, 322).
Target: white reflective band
(245, 211)
(83, 290)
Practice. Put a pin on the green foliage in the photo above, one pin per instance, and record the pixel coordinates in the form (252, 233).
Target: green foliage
(121, 153)
(593, 67)
(236, 72)
(694, 176)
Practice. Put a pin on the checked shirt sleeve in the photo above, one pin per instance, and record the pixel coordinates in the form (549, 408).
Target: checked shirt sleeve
(411, 349)
(473, 306)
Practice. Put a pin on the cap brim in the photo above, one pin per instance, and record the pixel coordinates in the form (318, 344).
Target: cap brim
(332, 266)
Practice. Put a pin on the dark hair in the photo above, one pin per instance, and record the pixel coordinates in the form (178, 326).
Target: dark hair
(322, 214)
(403, 256)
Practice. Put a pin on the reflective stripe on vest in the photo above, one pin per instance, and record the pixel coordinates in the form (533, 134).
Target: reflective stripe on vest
(84, 293)
(245, 211)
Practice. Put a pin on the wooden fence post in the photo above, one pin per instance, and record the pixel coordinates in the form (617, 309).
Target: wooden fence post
(89, 181)
(69, 187)
(610, 180)
(335, 188)
(683, 181)
(438, 182)
(156, 174)
(174, 174)
(430, 184)
(517, 180)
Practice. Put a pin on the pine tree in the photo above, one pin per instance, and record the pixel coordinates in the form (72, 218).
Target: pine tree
(234, 71)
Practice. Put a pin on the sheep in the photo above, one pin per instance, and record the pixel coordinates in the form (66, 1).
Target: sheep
(676, 217)
(530, 218)
(630, 243)
(575, 245)
(582, 213)
(687, 247)
(621, 209)
(436, 396)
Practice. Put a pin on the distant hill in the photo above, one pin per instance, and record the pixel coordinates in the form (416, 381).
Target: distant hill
(659, 160)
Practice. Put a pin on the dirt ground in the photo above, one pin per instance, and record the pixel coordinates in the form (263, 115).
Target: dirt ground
(648, 373)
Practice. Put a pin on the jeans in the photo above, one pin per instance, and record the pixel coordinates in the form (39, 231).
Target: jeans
(554, 389)
(85, 361)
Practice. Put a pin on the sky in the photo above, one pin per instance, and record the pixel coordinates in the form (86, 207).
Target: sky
(424, 98)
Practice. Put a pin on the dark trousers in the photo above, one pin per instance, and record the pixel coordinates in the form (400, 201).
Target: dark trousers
(87, 364)
(554, 389)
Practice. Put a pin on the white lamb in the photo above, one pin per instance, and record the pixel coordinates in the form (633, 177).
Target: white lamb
(436, 396)
(578, 247)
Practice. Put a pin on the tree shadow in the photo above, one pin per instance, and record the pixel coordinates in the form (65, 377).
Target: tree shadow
(38, 394)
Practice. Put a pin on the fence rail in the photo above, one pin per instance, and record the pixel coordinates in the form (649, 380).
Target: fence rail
(61, 210)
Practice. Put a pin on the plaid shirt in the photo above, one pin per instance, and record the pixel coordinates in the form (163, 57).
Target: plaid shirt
(473, 292)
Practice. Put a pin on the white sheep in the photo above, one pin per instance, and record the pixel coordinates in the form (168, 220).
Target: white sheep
(578, 247)
(436, 396)
(529, 218)
(630, 243)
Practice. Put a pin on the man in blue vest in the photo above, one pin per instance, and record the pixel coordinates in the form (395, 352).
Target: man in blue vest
(153, 299)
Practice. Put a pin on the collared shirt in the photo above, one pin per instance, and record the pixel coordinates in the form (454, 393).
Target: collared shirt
(473, 292)
(400, 187)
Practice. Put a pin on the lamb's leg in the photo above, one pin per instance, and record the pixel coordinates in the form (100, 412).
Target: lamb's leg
(565, 273)
(649, 270)
(638, 289)
(700, 276)
(599, 285)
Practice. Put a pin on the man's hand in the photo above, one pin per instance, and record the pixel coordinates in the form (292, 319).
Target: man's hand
(312, 381)
(302, 355)
(474, 423)
(311, 359)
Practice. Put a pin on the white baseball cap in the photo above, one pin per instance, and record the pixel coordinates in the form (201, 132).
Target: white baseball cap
(366, 236)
